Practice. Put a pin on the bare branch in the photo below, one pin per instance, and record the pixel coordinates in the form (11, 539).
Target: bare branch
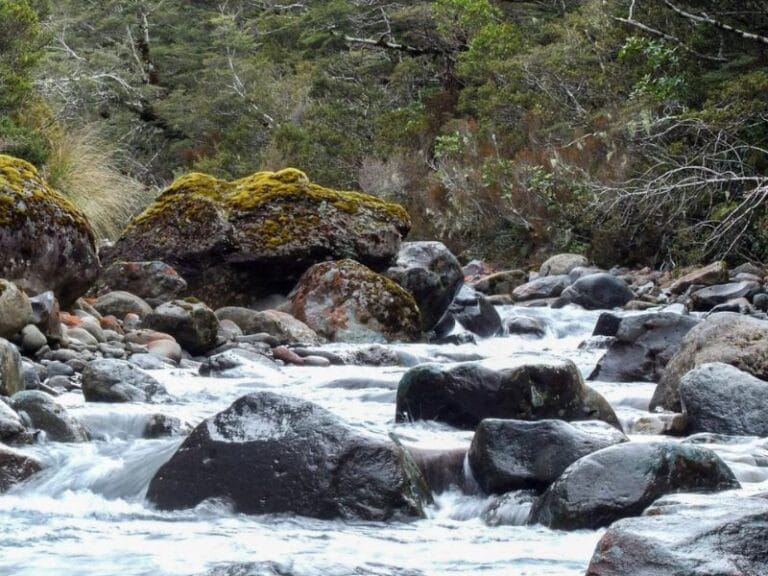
(703, 18)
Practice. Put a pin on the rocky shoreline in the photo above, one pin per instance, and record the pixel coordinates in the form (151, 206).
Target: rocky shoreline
(70, 323)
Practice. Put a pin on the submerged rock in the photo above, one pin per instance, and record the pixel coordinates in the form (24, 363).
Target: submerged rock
(464, 395)
(236, 241)
(272, 454)
(45, 414)
(46, 242)
(15, 467)
(741, 341)
(688, 534)
(625, 479)
(347, 302)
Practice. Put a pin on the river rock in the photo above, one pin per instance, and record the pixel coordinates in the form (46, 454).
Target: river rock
(466, 394)
(32, 339)
(525, 326)
(501, 283)
(712, 296)
(715, 273)
(688, 534)
(560, 264)
(15, 307)
(623, 480)
(508, 455)
(112, 380)
(15, 467)
(45, 414)
(270, 454)
(239, 363)
(431, 274)
(722, 399)
(541, 288)
(643, 346)
(237, 241)
(46, 243)
(475, 312)
(192, 324)
(120, 303)
(741, 341)
(345, 301)
(11, 425)
(598, 291)
(284, 327)
(11, 377)
(154, 280)
(45, 310)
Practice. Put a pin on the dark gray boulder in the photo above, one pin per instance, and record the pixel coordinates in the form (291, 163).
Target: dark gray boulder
(508, 455)
(465, 394)
(475, 312)
(431, 273)
(112, 380)
(44, 413)
(623, 480)
(273, 454)
(193, 325)
(712, 296)
(598, 291)
(643, 346)
(722, 399)
(11, 425)
(686, 534)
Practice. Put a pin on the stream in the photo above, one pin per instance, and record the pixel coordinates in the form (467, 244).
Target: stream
(85, 514)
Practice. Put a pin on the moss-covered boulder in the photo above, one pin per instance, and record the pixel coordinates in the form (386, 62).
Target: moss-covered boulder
(45, 241)
(348, 302)
(235, 241)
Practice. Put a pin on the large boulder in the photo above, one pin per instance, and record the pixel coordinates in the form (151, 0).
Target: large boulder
(15, 309)
(11, 376)
(475, 312)
(347, 302)
(15, 467)
(431, 274)
(562, 264)
(193, 325)
(643, 346)
(598, 291)
(625, 479)
(46, 243)
(688, 534)
(44, 413)
(466, 394)
(154, 280)
(508, 455)
(273, 454)
(112, 380)
(721, 399)
(237, 241)
(735, 339)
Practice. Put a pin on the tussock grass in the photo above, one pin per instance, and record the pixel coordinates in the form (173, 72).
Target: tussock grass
(82, 165)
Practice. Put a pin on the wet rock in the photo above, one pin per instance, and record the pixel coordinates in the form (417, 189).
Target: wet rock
(688, 534)
(11, 377)
(15, 307)
(707, 298)
(511, 509)
(464, 395)
(508, 455)
(15, 467)
(501, 283)
(52, 243)
(112, 380)
(741, 341)
(346, 302)
(235, 242)
(81, 335)
(598, 291)
(32, 339)
(668, 423)
(443, 469)
(45, 414)
(237, 363)
(607, 324)
(120, 303)
(228, 330)
(11, 425)
(525, 326)
(560, 264)
(643, 347)
(284, 327)
(332, 357)
(474, 312)
(540, 288)
(715, 273)
(431, 274)
(192, 324)
(166, 350)
(738, 305)
(152, 280)
(162, 426)
(273, 454)
(623, 480)
(148, 361)
(722, 399)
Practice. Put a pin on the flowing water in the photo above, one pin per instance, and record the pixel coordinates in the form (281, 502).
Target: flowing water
(85, 514)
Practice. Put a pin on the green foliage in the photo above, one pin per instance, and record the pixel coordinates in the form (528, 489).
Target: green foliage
(658, 66)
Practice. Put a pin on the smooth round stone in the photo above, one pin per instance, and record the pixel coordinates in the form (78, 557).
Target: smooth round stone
(316, 361)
